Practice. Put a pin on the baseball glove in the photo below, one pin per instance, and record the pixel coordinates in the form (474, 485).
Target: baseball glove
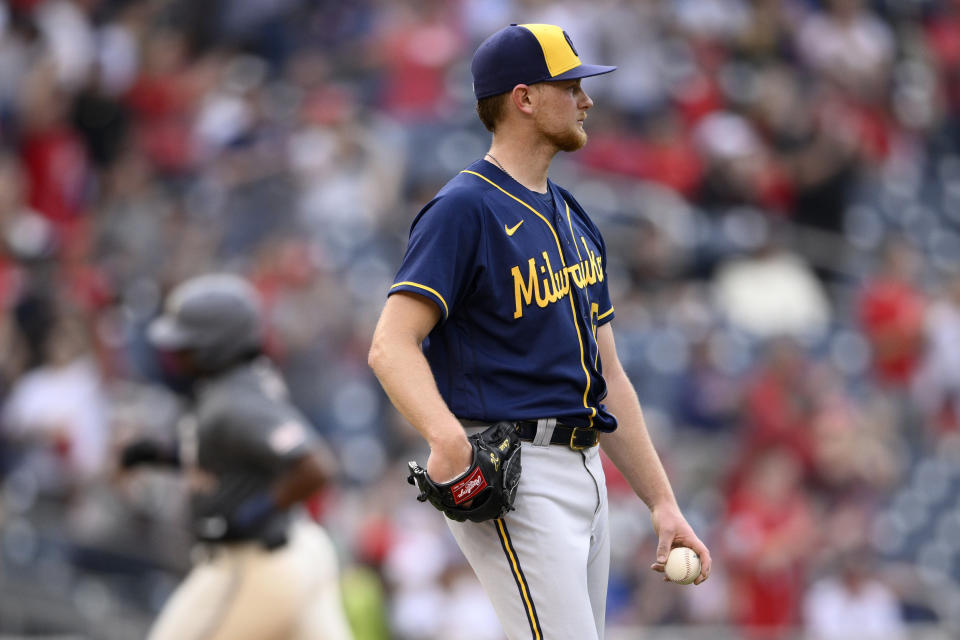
(487, 489)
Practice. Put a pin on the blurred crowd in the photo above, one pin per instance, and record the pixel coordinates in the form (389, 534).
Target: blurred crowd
(778, 182)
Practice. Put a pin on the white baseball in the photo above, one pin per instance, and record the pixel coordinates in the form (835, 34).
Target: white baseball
(683, 565)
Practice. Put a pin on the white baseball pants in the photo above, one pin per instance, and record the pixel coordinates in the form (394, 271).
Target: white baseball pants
(545, 565)
(245, 592)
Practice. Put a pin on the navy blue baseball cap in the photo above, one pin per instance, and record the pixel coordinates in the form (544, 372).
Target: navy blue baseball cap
(527, 54)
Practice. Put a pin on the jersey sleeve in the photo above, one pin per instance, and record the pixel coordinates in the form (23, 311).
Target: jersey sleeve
(441, 258)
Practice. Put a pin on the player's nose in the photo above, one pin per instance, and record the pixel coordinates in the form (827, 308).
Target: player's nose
(585, 100)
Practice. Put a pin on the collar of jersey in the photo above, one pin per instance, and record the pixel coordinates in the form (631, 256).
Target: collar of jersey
(500, 180)
(506, 182)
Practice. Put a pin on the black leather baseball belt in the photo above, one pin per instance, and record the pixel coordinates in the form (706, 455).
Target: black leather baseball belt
(576, 438)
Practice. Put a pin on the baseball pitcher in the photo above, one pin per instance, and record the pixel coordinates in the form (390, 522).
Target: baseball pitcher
(496, 344)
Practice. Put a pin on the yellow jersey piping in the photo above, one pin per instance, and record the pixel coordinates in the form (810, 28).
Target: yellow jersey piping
(407, 283)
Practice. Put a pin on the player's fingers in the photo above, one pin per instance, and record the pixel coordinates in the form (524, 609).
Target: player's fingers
(442, 469)
(705, 566)
(663, 546)
(706, 562)
(704, 553)
(658, 566)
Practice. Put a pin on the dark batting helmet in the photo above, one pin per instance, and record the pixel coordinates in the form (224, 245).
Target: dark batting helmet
(216, 317)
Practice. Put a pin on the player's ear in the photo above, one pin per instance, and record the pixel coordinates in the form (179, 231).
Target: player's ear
(524, 98)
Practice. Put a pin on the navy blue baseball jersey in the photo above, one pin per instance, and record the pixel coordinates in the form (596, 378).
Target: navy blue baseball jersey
(520, 281)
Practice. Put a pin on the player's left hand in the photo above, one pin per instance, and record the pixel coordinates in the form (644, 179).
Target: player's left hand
(673, 530)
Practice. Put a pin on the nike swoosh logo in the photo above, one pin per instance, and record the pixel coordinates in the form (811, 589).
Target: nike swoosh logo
(512, 230)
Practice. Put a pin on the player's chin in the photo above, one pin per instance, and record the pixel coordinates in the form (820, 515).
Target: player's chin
(574, 140)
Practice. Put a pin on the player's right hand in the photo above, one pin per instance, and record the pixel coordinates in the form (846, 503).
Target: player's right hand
(673, 530)
(449, 459)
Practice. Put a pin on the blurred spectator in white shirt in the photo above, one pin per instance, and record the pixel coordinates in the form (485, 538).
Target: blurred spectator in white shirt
(936, 387)
(58, 411)
(772, 292)
(848, 43)
(467, 613)
(852, 604)
(69, 36)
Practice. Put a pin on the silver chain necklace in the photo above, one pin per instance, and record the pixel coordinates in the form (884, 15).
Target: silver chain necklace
(492, 157)
(502, 168)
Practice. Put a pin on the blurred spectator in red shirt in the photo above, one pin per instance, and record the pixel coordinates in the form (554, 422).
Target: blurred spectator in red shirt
(856, 451)
(162, 99)
(416, 48)
(769, 535)
(813, 145)
(738, 168)
(943, 40)
(852, 51)
(662, 152)
(891, 311)
(778, 406)
(53, 154)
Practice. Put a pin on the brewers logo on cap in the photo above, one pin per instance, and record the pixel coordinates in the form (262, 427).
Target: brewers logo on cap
(527, 54)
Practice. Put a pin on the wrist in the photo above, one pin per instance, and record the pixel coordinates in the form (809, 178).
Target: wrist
(450, 458)
(664, 504)
(449, 440)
